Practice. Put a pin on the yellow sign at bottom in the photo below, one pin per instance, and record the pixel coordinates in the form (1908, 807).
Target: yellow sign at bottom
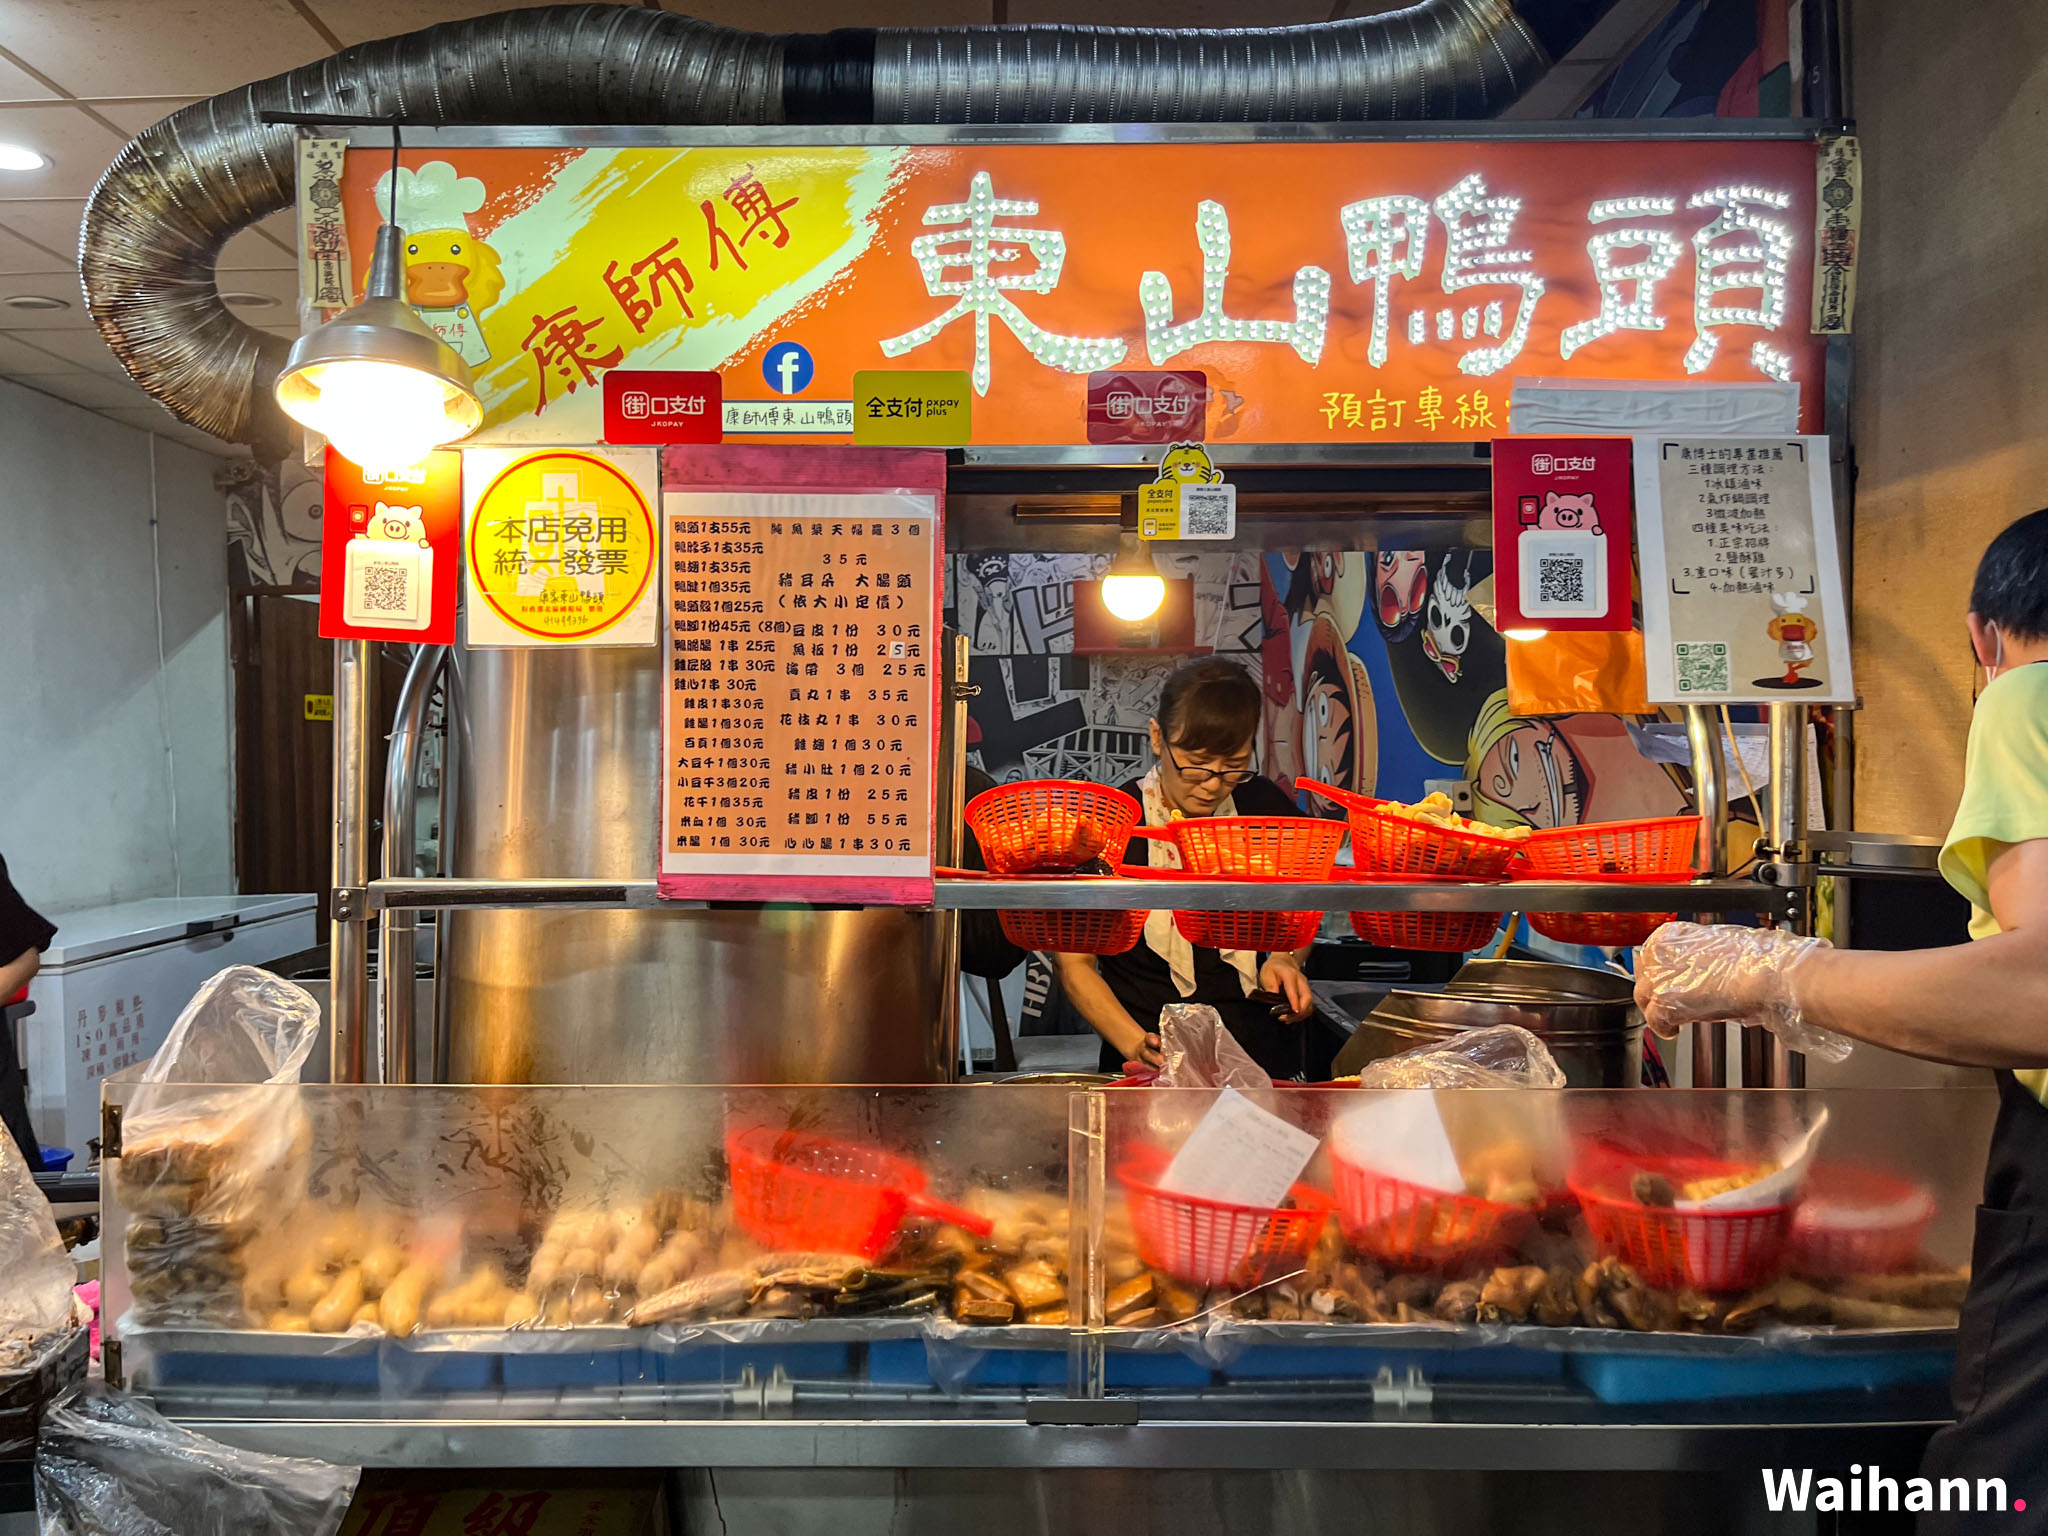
(319, 706)
(907, 408)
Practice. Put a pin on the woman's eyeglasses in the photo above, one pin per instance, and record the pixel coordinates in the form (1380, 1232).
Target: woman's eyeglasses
(1194, 776)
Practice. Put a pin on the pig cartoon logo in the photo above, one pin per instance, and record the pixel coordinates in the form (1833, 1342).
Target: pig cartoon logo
(397, 525)
(1562, 512)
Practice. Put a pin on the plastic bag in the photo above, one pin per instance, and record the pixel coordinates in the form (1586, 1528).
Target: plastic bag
(1504, 1056)
(201, 1173)
(1201, 1053)
(1575, 672)
(1692, 973)
(36, 1274)
(108, 1465)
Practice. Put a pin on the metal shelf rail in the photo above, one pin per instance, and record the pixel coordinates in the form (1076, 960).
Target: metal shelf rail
(1715, 896)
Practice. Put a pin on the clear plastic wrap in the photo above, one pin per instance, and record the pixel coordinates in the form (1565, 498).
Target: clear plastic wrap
(201, 1174)
(1201, 1053)
(1689, 973)
(108, 1465)
(1504, 1056)
(36, 1275)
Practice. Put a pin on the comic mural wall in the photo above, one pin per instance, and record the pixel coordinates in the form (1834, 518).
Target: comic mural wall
(1379, 675)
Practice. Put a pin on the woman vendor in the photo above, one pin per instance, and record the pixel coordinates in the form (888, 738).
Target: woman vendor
(1202, 739)
(1980, 1004)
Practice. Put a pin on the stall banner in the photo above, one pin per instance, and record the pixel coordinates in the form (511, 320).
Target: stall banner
(560, 546)
(800, 736)
(390, 541)
(1561, 516)
(1742, 581)
(1358, 292)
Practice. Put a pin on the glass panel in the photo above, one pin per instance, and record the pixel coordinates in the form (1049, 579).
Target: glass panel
(1519, 1255)
(592, 1252)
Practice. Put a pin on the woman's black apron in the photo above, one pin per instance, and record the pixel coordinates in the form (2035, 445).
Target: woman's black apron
(2001, 1382)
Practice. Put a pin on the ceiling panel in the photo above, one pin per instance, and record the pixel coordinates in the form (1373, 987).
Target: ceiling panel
(62, 286)
(250, 251)
(19, 255)
(137, 114)
(19, 84)
(77, 148)
(94, 391)
(78, 345)
(157, 47)
(48, 221)
(27, 354)
(361, 21)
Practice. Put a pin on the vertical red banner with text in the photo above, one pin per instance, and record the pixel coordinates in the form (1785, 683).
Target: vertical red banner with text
(390, 550)
(1562, 533)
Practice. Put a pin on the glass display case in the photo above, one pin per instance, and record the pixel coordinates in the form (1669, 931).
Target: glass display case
(1031, 1253)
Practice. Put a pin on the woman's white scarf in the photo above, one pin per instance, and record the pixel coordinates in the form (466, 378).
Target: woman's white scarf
(1161, 936)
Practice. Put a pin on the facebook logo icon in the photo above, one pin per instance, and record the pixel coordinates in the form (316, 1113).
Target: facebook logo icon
(787, 367)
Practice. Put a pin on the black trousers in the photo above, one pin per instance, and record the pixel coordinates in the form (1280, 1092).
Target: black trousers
(2001, 1384)
(14, 1098)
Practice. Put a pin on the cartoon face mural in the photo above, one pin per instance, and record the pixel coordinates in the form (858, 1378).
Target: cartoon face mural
(1339, 725)
(1400, 588)
(1447, 629)
(1568, 512)
(1524, 770)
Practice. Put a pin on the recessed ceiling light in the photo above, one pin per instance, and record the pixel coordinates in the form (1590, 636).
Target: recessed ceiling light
(19, 157)
(249, 300)
(34, 301)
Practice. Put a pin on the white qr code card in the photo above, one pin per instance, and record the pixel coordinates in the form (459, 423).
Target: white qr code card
(1564, 574)
(388, 585)
(1208, 511)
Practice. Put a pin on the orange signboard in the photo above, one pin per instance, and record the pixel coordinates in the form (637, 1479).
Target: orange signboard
(1330, 292)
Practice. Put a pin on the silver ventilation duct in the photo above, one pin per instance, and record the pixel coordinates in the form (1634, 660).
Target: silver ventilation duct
(174, 196)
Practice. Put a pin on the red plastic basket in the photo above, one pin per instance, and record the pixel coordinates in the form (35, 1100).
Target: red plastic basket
(801, 1193)
(1267, 932)
(1390, 844)
(1057, 932)
(1212, 1242)
(1706, 1250)
(1835, 1234)
(1612, 930)
(1411, 1227)
(1051, 825)
(1449, 932)
(1255, 847)
(1660, 845)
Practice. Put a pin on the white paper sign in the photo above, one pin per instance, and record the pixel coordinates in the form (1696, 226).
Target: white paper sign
(1208, 511)
(1240, 1154)
(1401, 1135)
(1742, 581)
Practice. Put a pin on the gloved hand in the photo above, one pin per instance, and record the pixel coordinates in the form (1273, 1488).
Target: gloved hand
(1687, 973)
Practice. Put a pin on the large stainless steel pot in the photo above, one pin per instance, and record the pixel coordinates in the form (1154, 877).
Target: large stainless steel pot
(559, 773)
(1598, 1043)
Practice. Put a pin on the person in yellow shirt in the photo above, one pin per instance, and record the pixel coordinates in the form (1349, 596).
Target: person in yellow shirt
(1980, 1004)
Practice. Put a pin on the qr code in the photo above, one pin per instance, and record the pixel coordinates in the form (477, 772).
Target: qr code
(1561, 579)
(1702, 666)
(1208, 511)
(386, 590)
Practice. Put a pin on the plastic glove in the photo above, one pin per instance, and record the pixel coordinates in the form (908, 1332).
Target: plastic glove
(1687, 973)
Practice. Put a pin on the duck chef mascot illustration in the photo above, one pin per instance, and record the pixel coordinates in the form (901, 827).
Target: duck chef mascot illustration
(1794, 631)
(451, 277)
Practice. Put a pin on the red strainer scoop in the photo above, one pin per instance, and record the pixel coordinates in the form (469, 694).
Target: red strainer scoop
(795, 1191)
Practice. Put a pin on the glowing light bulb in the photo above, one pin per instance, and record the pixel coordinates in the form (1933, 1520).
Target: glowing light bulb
(380, 415)
(1526, 633)
(1133, 598)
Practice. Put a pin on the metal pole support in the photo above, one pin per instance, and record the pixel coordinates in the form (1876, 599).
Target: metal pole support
(1710, 794)
(398, 931)
(348, 1013)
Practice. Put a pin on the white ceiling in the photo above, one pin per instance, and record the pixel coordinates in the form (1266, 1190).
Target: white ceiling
(79, 77)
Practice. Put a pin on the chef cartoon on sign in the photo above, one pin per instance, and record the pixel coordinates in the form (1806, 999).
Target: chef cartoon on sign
(1794, 630)
(451, 277)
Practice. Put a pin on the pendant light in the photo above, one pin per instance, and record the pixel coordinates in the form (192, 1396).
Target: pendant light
(1133, 589)
(375, 381)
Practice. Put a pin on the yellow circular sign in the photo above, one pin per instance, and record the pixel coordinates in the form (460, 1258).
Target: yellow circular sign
(562, 545)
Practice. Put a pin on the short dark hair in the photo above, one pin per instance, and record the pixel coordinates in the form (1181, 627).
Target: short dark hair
(1211, 705)
(2011, 589)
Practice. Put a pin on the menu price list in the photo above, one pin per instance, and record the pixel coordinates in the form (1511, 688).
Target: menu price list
(800, 719)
